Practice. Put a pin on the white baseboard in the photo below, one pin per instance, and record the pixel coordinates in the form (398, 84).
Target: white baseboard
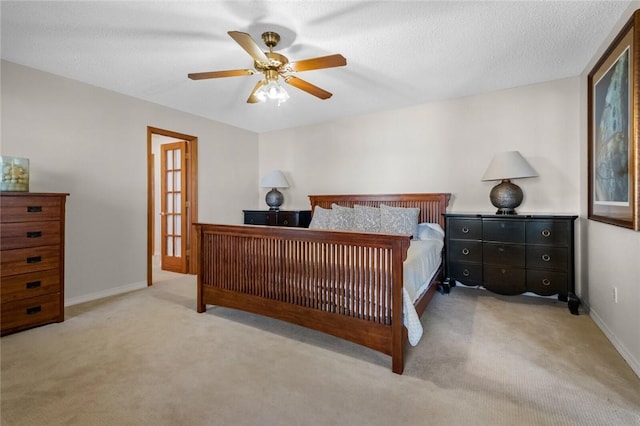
(624, 352)
(105, 293)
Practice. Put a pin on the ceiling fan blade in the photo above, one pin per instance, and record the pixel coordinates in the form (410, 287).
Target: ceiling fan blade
(253, 99)
(307, 87)
(251, 47)
(218, 74)
(319, 63)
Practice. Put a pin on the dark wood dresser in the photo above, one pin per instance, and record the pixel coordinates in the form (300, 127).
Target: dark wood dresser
(513, 254)
(295, 218)
(32, 258)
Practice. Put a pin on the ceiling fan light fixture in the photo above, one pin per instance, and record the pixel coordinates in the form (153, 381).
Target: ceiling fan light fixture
(272, 91)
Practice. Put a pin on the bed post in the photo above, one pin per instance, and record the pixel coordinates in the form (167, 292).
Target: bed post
(197, 247)
(397, 326)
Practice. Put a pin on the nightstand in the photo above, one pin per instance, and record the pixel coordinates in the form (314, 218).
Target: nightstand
(513, 254)
(294, 218)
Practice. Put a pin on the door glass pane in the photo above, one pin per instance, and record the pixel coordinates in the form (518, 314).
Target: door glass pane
(177, 205)
(177, 222)
(169, 159)
(169, 246)
(176, 164)
(169, 203)
(178, 246)
(169, 225)
(170, 181)
(178, 176)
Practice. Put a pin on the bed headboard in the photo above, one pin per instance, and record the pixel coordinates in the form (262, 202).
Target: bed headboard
(431, 205)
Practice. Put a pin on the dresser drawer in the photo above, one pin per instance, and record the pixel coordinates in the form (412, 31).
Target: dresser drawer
(31, 312)
(541, 257)
(465, 251)
(504, 280)
(29, 285)
(24, 209)
(466, 273)
(22, 261)
(506, 230)
(29, 234)
(256, 218)
(504, 254)
(465, 229)
(288, 219)
(549, 232)
(546, 283)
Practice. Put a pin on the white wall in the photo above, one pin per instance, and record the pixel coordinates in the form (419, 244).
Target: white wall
(611, 253)
(92, 143)
(440, 147)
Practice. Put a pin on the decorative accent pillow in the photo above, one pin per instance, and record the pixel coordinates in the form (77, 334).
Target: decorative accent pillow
(430, 231)
(366, 218)
(399, 220)
(341, 218)
(321, 218)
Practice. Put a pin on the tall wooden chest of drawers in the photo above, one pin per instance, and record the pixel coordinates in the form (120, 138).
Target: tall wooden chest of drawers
(32, 259)
(513, 254)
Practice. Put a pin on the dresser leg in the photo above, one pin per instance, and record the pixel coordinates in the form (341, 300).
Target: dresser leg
(445, 287)
(573, 303)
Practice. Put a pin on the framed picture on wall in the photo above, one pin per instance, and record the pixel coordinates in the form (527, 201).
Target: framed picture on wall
(614, 131)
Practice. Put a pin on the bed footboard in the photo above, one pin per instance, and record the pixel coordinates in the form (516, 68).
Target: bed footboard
(342, 283)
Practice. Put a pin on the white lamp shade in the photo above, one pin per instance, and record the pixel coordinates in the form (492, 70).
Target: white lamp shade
(509, 165)
(274, 179)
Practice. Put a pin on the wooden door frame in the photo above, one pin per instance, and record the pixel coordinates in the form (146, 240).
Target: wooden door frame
(192, 188)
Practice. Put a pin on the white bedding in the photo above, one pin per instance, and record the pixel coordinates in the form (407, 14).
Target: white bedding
(423, 260)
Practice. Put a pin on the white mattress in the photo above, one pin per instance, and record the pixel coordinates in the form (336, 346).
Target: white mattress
(423, 260)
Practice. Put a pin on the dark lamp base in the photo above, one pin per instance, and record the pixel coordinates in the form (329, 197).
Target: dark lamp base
(506, 196)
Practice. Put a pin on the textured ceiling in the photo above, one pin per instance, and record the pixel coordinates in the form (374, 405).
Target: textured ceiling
(398, 53)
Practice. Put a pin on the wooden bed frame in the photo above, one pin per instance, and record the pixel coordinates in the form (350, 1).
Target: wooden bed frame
(345, 284)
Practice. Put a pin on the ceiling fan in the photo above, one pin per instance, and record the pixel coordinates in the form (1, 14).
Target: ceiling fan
(274, 65)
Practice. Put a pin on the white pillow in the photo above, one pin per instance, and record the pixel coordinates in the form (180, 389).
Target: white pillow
(341, 218)
(430, 231)
(399, 220)
(321, 218)
(366, 219)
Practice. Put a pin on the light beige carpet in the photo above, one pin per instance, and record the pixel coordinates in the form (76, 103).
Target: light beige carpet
(147, 358)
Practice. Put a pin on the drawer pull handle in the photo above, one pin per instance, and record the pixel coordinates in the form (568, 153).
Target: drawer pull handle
(34, 310)
(546, 257)
(546, 233)
(465, 230)
(34, 234)
(34, 284)
(34, 209)
(465, 251)
(34, 259)
(285, 222)
(503, 271)
(501, 249)
(546, 282)
(466, 273)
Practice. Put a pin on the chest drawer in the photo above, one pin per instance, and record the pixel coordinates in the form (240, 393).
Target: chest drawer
(27, 313)
(466, 273)
(549, 232)
(29, 234)
(504, 254)
(22, 261)
(504, 280)
(287, 219)
(465, 229)
(506, 231)
(547, 257)
(546, 283)
(23, 209)
(465, 251)
(257, 218)
(29, 285)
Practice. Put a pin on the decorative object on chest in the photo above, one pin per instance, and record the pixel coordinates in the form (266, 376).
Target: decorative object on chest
(513, 254)
(295, 218)
(506, 195)
(274, 179)
(32, 257)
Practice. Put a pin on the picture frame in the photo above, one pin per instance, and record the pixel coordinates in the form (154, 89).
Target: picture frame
(613, 103)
